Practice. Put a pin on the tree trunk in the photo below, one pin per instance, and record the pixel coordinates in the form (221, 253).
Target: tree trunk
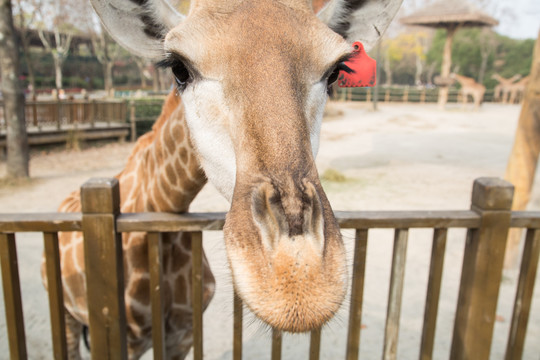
(156, 80)
(29, 64)
(17, 141)
(524, 156)
(58, 71)
(419, 71)
(107, 75)
(388, 70)
(483, 67)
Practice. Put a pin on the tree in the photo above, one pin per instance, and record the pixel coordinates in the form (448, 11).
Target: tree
(107, 52)
(17, 142)
(55, 28)
(24, 19)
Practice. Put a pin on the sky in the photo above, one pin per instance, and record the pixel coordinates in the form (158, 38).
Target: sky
(526, 23)
(518, 19)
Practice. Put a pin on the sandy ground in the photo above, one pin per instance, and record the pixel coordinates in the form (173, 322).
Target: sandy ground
(402, 157)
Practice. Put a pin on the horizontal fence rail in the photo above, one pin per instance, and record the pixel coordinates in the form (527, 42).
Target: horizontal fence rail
(404, 94)
(487, 223)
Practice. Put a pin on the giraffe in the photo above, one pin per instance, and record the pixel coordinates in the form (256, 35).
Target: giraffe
(253, 77)
(470, 87)
(502, 89)
(517, 90)
(161, 174)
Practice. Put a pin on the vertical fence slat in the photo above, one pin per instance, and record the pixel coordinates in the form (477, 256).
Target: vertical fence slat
(357, 294)
(104, 269)
(155, 252)
(524, 293)
(12, 297)
(237, 327)
(433, 292)
(397, 278)
(56, 295)
(197, 293)
(315, 344)
(276, 344)
(481, 273)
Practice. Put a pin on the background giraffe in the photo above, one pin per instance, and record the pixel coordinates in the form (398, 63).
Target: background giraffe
(470, 87)
(517, 90)
(162, 174)
(502, 89)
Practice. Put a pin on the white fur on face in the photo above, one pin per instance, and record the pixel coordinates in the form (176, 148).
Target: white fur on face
(208, 115)
(314, 113)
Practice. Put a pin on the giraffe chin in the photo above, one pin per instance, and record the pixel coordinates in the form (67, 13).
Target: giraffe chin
(290, 289)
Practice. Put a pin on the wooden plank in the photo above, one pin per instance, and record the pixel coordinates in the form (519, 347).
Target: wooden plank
(524, 294)
(397, 278)
(155, 255)
(433, 292)
(197, 294)
(525, 219)
(12, 297)
(56, 295)
(481, 273)
(237, 327)
(104, 269)
(276, 344)
(315, 344)
(346, 219)
(40, 222)
(166, 222)
(407, 219)
(357, 294)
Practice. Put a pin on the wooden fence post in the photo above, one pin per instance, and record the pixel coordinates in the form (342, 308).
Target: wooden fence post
(104, 268)
(482, 270)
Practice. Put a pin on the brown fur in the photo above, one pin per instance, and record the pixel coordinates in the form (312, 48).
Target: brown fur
(142, 176)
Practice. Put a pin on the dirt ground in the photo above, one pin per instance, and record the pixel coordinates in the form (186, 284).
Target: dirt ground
(402, 157)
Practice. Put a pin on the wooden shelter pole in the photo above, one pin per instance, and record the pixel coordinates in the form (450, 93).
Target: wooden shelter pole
(523, 159)
(446, 63)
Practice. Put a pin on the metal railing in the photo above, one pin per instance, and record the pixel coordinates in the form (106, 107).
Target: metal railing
(487, 224)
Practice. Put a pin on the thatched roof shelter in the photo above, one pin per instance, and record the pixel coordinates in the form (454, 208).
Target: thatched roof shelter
(449, 15)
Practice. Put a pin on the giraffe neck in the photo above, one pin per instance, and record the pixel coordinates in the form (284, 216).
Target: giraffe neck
(162, 173)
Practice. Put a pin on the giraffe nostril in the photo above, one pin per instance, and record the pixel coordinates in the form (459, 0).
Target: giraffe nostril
(282, 214)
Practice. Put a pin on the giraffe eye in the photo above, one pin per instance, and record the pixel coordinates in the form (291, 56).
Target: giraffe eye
(181, 74)
(333, 76)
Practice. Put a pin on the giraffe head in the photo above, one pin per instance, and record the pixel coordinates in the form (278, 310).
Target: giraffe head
(254, 76)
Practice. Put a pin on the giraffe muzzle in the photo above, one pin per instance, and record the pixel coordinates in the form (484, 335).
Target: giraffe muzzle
(287, 258)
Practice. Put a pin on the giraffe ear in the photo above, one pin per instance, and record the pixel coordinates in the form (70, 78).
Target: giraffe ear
(359, 20)
(138, 25)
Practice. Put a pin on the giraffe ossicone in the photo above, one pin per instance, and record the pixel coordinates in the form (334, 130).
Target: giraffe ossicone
(253, 77)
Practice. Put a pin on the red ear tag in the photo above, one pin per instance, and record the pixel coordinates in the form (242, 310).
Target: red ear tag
(364, 69)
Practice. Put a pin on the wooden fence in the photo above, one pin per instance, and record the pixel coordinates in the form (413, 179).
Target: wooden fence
(402, 95)
(51, 122)
(55, 114)
(487, 221)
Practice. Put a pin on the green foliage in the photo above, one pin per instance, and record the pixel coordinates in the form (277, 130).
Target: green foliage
(507, 58)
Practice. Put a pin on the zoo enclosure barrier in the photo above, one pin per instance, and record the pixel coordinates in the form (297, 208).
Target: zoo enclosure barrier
(42, 115)
(405, 94)
(487, 224)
